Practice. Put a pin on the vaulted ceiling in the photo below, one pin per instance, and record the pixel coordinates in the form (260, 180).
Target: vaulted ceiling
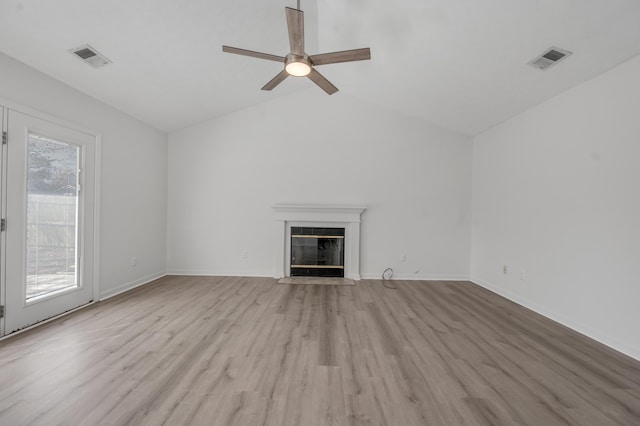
(458, 64)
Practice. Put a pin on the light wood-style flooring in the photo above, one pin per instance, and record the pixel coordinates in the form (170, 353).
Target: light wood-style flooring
(248, 351)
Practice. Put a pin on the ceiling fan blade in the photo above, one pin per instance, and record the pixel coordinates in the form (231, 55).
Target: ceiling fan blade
(276, 80)
(253, 54)
(324, 84)
(342, 56)
(295, 24)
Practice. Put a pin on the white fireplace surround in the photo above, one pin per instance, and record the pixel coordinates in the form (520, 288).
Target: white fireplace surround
(318, 215)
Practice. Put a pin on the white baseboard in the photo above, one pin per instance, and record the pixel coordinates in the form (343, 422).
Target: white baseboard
(131, 285)
(414, 277)
(596, 335)
(214, 273)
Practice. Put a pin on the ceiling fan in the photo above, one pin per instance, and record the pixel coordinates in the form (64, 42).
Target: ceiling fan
(297, 63)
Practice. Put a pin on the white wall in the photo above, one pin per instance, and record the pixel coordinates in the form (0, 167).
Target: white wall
(134, 174)
(225, 174)
(556, 193)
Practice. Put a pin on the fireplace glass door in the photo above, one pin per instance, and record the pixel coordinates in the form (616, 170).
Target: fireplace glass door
(317, 252)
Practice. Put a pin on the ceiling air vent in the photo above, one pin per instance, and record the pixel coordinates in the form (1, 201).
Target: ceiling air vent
(551, 57)
(90, 55)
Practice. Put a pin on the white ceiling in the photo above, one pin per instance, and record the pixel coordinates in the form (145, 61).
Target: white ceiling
(458, 64)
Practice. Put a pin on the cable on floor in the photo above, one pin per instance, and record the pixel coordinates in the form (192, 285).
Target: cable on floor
(386, 276)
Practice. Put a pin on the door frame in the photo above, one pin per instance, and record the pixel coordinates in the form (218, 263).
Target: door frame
(5, 106)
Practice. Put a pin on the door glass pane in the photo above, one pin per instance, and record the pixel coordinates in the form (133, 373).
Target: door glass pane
(52, 216)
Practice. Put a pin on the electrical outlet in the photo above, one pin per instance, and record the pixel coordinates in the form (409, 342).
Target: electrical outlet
(521, 275)
(134, 262)
(244, 254)
(403, 258)
(505, 269)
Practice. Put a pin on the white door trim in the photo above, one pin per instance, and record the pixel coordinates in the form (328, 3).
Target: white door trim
(7, 105)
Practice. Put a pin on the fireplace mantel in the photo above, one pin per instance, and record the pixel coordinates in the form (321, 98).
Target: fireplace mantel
(328, 215)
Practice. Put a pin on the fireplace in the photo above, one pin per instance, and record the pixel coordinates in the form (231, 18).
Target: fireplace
(317, 252)
(290, 217)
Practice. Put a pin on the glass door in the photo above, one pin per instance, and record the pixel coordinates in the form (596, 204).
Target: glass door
(50, 220)
(317, 252)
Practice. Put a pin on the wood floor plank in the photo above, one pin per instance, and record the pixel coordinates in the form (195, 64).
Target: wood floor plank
(245, 351)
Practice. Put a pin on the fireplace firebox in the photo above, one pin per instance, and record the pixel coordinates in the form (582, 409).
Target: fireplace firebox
(317, 252)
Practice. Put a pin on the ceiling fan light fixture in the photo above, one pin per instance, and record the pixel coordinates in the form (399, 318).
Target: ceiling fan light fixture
(297, 66)
(298, 69)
